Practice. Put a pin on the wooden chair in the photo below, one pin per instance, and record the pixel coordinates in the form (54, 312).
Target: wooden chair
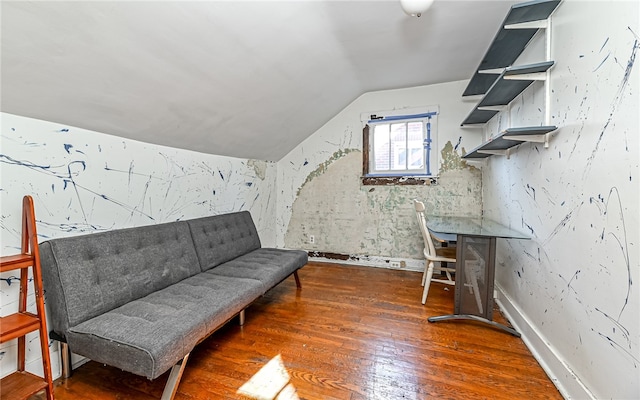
(433, 255)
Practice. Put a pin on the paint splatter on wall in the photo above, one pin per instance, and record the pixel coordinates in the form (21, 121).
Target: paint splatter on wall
(84, 182)
(577, 279)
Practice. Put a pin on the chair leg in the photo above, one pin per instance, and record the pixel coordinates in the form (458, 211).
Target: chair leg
(427, 282)
(424, 273)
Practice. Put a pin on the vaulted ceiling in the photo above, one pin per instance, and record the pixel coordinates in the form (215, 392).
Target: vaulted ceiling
(235, 78)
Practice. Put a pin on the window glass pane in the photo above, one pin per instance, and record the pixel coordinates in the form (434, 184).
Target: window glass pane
(416, 158)
(399, 146)
(381, 147)
(415, 144)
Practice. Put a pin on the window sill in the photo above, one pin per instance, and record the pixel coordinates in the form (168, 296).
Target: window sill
(378, 180)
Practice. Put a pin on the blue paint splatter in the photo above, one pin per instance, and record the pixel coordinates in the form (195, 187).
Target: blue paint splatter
(10, 280)
(68, 147)
(221, 176)
(531, 191)
(458, 144)
(305, 162)
(528, 227)
(8, 160)
(602, 62)
(53, 188)
(249, 184)
(63, 130)
(13, 129)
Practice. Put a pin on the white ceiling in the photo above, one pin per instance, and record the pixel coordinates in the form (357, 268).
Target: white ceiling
(242, 79)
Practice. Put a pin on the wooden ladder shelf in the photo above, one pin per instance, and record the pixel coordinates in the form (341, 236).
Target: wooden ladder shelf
(22, 384)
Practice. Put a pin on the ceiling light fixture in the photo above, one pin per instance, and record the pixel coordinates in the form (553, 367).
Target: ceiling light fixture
(415, 8)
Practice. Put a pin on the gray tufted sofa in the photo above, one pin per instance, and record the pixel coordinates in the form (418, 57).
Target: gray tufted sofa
(140, 299)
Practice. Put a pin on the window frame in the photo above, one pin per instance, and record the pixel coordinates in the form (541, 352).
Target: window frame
(405, 176)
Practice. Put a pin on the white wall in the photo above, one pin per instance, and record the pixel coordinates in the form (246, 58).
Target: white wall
(320, 190)
(573, 289)
(84, 182)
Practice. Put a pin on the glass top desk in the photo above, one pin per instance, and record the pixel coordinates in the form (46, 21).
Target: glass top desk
(475, 265)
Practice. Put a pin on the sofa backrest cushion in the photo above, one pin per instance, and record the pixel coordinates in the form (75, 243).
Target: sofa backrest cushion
(221, 238)
(88, 275)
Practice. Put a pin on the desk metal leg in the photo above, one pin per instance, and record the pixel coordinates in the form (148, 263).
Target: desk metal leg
(475, 318)
(475, 267)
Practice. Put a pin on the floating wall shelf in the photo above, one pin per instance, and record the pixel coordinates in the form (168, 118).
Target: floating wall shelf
(503, 143)
(510, 83)
(515, 33)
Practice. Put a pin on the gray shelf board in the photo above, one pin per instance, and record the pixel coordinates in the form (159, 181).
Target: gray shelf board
(529, 68)
(508, 44)
(479, 84)
(529, 130)
(530, 11)
(475, 155)
(503, 91)
(500, 143)
(497, 143)
(479, 116)
(504, 51)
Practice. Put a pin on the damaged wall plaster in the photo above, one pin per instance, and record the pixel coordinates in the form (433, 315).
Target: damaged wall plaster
(346, 217)
(320, 190)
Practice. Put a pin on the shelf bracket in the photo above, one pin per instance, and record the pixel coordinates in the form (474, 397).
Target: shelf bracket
(495, 71)
(492, 108)
(535, 76)
(506, 152)
(530, 138)
(540, 24)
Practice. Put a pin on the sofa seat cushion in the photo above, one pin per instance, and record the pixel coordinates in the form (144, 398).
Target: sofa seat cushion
(269, 266)
(149, 335)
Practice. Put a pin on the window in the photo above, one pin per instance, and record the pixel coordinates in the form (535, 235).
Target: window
(401, 146)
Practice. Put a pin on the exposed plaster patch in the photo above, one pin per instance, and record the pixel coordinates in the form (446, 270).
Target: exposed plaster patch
(451, 160)
(323, 167)
(260, 168)
(346, 217)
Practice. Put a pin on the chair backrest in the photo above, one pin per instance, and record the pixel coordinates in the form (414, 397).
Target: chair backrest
(422, 222)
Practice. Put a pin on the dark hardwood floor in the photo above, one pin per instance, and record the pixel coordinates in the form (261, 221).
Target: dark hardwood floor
(349, 333)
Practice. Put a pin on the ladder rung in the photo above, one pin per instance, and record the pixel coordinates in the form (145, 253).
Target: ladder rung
(20, 385)
(17, 261)
(18, 324)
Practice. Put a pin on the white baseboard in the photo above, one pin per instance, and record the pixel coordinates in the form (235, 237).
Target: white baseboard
(374, 261)
(568, 384)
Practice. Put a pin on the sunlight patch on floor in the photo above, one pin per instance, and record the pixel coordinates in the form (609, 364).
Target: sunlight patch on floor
(270, 383)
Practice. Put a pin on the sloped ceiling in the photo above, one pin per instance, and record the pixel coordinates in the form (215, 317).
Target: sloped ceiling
(241, 79)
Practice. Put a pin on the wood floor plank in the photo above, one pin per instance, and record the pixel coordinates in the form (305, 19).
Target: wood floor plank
(350, 333)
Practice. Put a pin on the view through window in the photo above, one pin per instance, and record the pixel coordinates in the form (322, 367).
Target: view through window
(402, 145)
